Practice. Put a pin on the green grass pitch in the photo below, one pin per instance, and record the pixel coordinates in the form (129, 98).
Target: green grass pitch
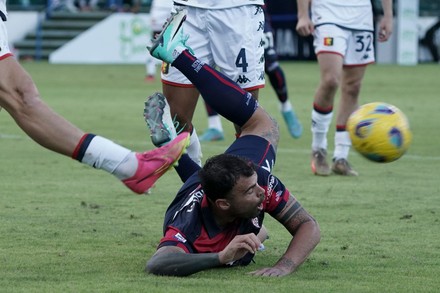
(65, 227)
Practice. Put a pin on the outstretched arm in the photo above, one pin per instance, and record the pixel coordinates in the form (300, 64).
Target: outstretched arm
(174, 261)
(306, 236)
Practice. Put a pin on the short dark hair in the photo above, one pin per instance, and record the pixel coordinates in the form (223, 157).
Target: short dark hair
(220, 174)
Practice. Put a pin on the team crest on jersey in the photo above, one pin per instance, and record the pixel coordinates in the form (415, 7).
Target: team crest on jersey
(328, 42)
(255, 222)
(180, 238)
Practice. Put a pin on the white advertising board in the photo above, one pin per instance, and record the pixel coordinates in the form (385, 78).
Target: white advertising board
(407, 33)
(20, 23)
(121, 38)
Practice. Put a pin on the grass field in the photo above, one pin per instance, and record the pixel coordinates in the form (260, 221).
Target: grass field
(65, 227)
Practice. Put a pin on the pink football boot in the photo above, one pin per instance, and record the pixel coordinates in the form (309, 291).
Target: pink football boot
(153, 164)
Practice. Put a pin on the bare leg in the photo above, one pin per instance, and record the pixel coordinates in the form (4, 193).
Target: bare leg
(183, 102)
(21, 99)
(331, 69)
(350, 89)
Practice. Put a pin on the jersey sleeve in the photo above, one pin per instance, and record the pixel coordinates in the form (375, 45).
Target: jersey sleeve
(277, 194)
(174, 237)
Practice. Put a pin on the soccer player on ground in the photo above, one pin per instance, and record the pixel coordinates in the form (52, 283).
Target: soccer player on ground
(217, 216)
(344, 44)
(278, 82)
(19, 96)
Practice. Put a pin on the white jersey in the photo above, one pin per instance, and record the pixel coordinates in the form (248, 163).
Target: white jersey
(218, 4)
(3, 7)
(159, 12)
(352, 14)
(161, 4)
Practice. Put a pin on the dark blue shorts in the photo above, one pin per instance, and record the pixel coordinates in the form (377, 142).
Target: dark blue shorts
(253, 147)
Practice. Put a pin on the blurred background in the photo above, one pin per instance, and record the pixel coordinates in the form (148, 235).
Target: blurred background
(116, 31)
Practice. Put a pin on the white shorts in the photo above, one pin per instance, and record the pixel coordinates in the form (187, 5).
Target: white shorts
(356, 47)
(5, 51)
(227, 39)
(158, 16)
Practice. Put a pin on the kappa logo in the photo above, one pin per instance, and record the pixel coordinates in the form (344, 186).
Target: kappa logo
(260, 26)
(268, 165)
(258, 10)
(242, 79)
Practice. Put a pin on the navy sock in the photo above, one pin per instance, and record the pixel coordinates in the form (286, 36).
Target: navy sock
(220, 92)
(210, 111)
(186, 167)
(278, 82)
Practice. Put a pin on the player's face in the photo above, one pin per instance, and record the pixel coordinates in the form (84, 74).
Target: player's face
(247, 197)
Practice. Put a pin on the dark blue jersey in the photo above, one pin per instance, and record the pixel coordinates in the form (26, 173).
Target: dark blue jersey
(189, 223)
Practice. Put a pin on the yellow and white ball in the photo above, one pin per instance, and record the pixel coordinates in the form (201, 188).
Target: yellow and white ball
(379, 131)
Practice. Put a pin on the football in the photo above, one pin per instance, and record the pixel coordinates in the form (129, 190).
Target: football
(379, 131)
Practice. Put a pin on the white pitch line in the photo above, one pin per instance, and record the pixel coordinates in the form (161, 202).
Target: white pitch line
(12, 136)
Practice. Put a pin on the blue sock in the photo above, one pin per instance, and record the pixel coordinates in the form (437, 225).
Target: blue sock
(221, 93)
(186, 167)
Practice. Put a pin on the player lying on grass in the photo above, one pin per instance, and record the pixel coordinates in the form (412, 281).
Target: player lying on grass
(217, 216)
(19, 96)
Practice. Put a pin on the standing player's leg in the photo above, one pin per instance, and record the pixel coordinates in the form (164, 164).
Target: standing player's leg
(322, 113)
(355, 63)
(182, 102)
(350, 89)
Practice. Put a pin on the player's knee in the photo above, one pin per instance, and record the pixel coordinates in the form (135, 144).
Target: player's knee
(330, 82)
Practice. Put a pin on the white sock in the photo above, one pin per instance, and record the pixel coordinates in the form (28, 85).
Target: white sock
(104, 154)
(286, 106)
(194, 149)
(320, 126)
(151, 65)
(342, 145)
(215, 122)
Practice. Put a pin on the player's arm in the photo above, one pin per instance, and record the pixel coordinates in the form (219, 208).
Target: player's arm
(304, 27)
(305, 236)
(174, 261)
